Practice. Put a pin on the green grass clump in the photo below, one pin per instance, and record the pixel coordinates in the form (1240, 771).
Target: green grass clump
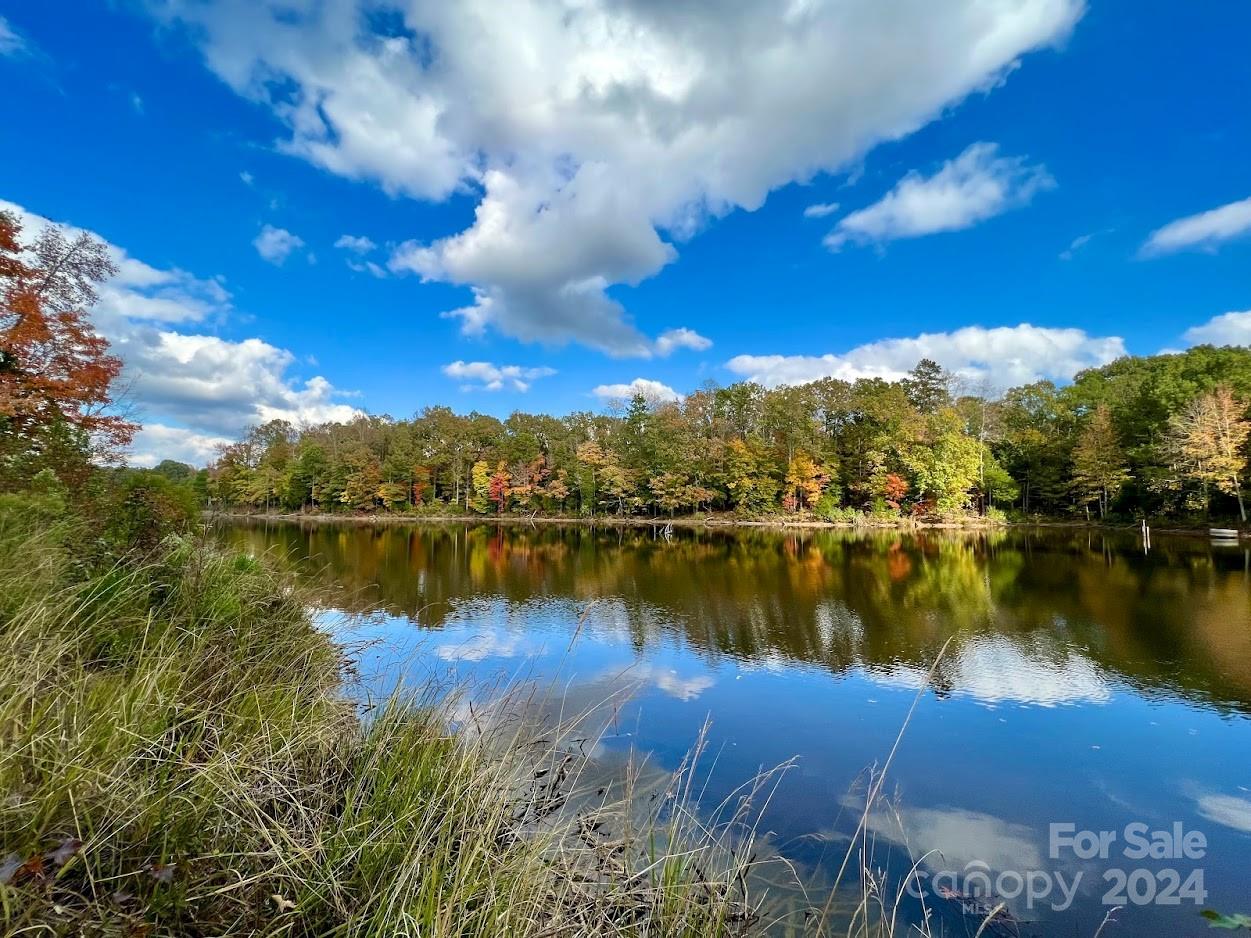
(178, 757)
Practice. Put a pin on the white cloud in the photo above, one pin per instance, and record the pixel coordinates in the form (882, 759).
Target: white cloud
(192, 391)
(219, 387)
(357, 244)
(1227, 810)
(10, 42)
(820, 209)
(652, 390)
(668, 681)
(368, 267)
(1225, 329)
(493, 643)
(977, 185)
(1205, 231)
(1003, 356)
(673, 339)
(136, 102)
(247, 178)
(485, 376)
(596, 133)
(140, 291)
(276, 244)
(951, 838)
(156, 441)
(1074, 246)
(1019, 670)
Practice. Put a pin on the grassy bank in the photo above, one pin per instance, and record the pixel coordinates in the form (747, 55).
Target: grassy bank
(178, 757)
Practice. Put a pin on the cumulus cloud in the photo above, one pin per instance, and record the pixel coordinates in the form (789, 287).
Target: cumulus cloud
(820, 209)
(596, 134)
(977, 185)
(1001, 357)
(220, 387)
(1206, 231)
(276, 244)
(653, 391)
(357, 244)
(674, 339)
(156, 441)
(140, 291)
(192, 391)
(1225, 329)
(485, 376)
(1019, 670)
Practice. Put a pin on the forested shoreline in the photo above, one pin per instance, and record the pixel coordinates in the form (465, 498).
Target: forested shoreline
(1163, 436)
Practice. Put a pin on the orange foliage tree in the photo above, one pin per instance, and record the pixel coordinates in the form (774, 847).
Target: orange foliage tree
(55, 369)
(806, 479)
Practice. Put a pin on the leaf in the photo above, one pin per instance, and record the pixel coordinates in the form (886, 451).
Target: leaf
(31, 869)
(283, 905)
(68, 849)
(1228, 922)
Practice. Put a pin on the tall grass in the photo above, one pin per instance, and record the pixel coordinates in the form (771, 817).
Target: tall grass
(177, 757)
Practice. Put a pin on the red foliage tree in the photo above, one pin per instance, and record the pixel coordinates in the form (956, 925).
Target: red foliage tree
(54, 367)
(894, 488)
(500, 490)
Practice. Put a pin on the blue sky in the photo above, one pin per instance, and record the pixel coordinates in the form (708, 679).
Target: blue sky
(573, 196)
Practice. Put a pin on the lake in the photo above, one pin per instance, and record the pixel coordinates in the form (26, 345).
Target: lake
(1089, 683)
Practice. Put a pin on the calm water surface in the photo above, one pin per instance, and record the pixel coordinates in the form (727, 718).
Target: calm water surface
(1087, 683)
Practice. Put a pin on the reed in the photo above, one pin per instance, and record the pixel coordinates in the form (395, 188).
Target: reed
(178, 756)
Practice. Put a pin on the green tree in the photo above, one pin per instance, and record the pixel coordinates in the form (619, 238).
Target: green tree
(749, 477)
(928, 386)
(945, 463)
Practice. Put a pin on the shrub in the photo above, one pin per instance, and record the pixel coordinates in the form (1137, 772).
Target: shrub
(147, 507)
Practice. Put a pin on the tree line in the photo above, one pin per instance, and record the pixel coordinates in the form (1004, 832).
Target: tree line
(1159, 435)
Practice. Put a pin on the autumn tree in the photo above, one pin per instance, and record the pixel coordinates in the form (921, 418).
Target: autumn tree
(498, 488)
(1207, 442)
(480, 493)
(1099, 470)
(806, 479)
(364, 478)
(392, 494)
(55, 369)
(894, 488)
(609, 478)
